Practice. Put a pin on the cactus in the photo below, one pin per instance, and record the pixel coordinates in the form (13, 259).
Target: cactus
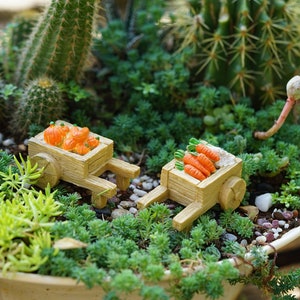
(248, 46)
(60, 43)
(40, 103)
(15, 34)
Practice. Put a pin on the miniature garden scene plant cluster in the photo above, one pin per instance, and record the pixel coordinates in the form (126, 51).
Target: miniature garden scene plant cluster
(182, 81)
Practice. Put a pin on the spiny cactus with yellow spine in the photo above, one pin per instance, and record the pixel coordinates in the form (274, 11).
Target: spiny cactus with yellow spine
(252, 47)
(60, 43)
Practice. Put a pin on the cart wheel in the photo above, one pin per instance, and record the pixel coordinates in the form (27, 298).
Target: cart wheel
(51, 173)
(232, 192)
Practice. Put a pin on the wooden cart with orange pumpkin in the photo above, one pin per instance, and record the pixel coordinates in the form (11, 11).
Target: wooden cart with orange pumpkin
(82, 170)
(224, 187)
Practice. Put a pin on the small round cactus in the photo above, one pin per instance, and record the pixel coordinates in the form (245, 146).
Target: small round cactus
(40, 103)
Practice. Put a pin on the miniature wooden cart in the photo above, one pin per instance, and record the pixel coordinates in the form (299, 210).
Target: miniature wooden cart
(225, 187)
(82, 170)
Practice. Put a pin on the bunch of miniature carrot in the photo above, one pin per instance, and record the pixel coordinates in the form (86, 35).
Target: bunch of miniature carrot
(73, 138)
(198, 160)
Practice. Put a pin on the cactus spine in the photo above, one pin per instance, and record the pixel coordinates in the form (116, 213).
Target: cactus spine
(60, 43)
(40, 103)
(249, 46)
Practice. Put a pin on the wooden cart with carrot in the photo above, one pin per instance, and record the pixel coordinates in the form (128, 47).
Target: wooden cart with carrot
(224, 187)
(82, 170)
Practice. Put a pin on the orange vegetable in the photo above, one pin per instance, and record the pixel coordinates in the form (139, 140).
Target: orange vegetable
(92, 141)
(53, 134)
(80, 135)
(213, 155)
(68, 144)
(206, 162)
(64, 128)
(81, 149)
(193, 171)
(192, 160)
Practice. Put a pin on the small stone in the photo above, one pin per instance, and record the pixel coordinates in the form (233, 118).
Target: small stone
(267, 225)
(261, 239)
(281, 223)
(136, 181)
(127, 204)
(264, 202)
(257, 233)
(287, 215)
(286, 225)
(230, 237)
(244, 243)
(134, 197)
(21, 147)
(147, 186)
(133, 210)
(295, 213)
(119, 212)
(270, 237)
(139, 192)
(276, 235)
(261, 221)
(278, 215)
(144, 178)
(8, 142)
(275, 223)
(155, 183)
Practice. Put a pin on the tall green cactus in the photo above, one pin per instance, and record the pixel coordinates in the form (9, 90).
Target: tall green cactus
(40, 103)
(253, 47)
(60, 43)
(15, 34)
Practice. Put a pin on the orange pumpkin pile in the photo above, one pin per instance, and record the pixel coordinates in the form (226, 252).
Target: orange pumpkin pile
(73, 139)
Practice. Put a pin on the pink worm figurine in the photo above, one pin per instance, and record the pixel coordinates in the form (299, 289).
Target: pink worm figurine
(293, 94)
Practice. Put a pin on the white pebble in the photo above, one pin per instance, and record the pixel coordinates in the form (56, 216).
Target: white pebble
(132, 187)
(286, 226)
(8, 142)
(264, 202)
(261, 239)
(139, 192)
(155, 183)
(281, 222)
(276, 235)
(147, 186)
(133, 210)
(135, 181)
(144, 178)
(134, 197)
(244, 243)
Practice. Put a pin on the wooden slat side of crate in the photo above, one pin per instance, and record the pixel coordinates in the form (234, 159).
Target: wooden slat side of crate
(182, 187)
(72, 164)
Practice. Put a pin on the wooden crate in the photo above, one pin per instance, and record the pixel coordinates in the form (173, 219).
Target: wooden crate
(224, 187)
(82, 170)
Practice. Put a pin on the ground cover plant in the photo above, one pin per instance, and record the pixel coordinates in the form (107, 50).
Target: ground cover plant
(141, 90)
(132, 251)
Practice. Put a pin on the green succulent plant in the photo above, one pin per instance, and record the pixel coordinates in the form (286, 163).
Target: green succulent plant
(249, 46)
